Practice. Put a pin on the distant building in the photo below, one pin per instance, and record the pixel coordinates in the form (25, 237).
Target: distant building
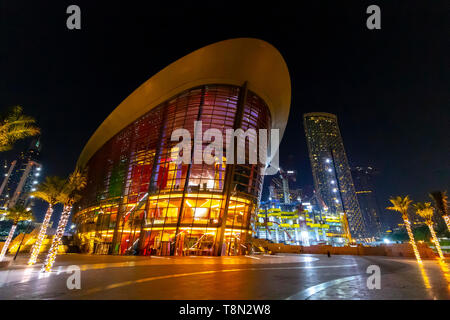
(21, 177)
(299, 222)
(365, 191)
(284, 188)
(331, 171)
(290, 217)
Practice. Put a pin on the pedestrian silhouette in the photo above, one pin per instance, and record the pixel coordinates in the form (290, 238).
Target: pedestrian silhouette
(328, 254)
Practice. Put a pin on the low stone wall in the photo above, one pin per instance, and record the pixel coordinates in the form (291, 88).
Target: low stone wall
(28, 242)
(390, 250)
(283, 248)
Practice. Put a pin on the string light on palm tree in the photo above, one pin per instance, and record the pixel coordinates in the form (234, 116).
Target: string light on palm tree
(401, 205)
(48, 191)
(69, 195)
(16, 214)
(441, 203)
(425, 210)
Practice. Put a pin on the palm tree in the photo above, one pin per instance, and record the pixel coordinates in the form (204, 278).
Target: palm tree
(15, 126)
(48, 191)
(426, 211)
(16, 214)
(401, 205)
(76, 181)
(441, 203)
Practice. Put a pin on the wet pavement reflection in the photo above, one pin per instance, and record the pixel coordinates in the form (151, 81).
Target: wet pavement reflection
(287, 276)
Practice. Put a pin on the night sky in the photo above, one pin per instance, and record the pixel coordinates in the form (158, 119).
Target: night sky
(388, 87)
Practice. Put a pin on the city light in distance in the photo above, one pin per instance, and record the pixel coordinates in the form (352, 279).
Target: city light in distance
(327, 160)
(329, 170)
(334, 190)
(385, 240)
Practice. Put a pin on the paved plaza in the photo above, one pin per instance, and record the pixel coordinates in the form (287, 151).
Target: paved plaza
(291, 277)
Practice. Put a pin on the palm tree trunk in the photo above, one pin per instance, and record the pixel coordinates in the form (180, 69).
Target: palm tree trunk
(57, 239)
(447, 221)
(411, 240)
(41, 236)
(436, 242)
(8, 240)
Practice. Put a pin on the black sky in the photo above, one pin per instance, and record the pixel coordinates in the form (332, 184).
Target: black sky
(389, 87)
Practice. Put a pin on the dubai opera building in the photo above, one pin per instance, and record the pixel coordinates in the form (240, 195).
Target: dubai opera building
(138, 200)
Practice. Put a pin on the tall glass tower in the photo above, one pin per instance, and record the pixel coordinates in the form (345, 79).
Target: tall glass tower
(365, 190)
(331, 172)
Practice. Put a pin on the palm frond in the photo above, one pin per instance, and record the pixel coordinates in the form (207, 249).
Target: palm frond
(50, 190)
(425, 210)
(400, 204)
(78, 179)
(15, 126)
(19, 213)
(441, 201)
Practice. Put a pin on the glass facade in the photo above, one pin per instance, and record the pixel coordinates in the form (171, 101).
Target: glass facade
(365, 191)
(138, 200)
(331, 172)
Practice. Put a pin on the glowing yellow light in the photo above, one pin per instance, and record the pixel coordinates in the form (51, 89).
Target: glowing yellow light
(41, 236)
(447, 221)
(411, 240)
(50, 260)
(436, 241)
(424, 276)
(8, 240)
(446, 271)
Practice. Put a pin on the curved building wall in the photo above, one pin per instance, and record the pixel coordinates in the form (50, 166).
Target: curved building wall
(138, 200)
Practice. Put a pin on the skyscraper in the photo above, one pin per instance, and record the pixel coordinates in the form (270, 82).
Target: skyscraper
(21, 176)
(331, 172)
(284, 187)
(365, 191)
